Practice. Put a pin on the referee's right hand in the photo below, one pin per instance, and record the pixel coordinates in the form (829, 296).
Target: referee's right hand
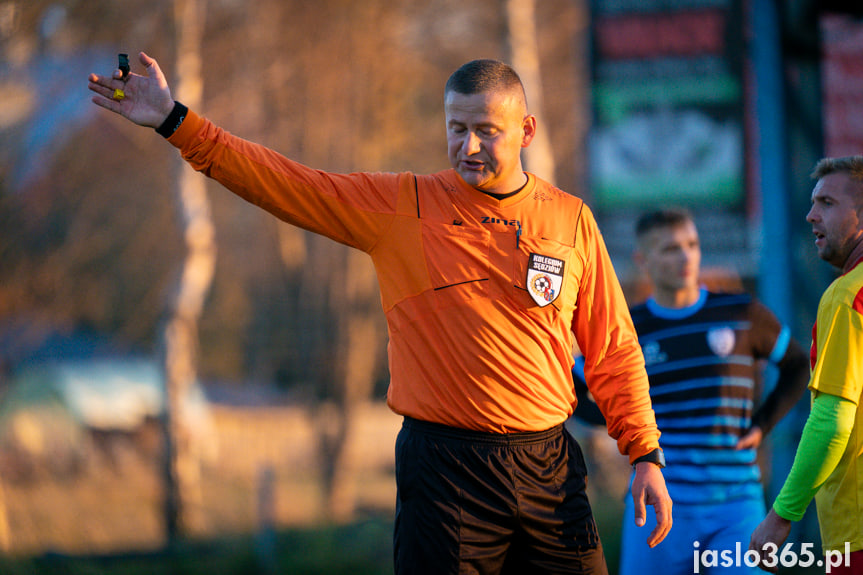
(648, 488)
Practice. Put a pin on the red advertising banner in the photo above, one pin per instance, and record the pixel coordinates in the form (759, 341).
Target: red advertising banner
(668, 121)
(842, 84)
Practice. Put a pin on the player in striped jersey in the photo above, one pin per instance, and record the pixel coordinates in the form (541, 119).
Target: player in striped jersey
(703, 351)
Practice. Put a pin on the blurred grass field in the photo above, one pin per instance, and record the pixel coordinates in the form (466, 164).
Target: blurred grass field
(108, 516)
(359, 548)
(107, 520)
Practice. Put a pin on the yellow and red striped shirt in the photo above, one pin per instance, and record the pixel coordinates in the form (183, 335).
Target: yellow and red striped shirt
(837, 369)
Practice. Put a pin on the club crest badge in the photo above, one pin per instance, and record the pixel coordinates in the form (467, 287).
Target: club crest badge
(721, 341)
(653, 354)
(544, 278)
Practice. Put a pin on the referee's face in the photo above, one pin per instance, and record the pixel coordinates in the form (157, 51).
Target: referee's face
(485, 135)
(671, 257)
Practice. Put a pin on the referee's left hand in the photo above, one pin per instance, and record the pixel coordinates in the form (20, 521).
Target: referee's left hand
(648, 488)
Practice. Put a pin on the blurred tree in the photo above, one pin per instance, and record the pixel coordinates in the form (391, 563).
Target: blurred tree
(5, 546)
(335, 132)
(524, 48)
(182, 472)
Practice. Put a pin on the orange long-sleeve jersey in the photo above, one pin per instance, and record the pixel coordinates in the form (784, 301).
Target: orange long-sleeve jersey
(482, 297)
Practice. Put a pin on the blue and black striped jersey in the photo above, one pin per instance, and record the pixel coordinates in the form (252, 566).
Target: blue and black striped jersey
(703, 366)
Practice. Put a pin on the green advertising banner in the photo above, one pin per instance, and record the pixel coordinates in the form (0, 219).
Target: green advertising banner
(668, 113)
(668, 121)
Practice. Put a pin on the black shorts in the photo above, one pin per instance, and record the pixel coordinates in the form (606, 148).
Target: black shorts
(483, 503)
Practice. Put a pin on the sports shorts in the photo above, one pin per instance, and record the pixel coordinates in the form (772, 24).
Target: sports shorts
(701, 533)
(484, 503)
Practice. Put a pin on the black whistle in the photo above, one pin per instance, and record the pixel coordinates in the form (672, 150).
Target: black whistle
(124, 64)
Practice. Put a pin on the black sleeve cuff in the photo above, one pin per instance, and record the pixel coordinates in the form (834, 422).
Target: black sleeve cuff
(173, 121)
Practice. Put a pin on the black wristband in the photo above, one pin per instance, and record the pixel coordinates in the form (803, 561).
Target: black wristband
(173, 121)
(656, 457)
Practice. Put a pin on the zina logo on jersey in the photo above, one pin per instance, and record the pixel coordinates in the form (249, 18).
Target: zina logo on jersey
(544, 278)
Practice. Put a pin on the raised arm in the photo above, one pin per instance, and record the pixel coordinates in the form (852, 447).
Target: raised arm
(145, 100)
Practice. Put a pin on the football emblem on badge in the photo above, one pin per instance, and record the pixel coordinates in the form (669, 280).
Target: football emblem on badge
(721, 341)
(543, 287)
(544, 278)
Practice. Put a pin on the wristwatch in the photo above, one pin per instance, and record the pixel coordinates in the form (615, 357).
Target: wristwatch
(656, 456)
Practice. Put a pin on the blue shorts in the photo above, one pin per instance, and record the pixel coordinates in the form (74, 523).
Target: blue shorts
(697, 529)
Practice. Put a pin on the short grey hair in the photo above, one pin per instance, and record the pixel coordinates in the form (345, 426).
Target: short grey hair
(481, 76)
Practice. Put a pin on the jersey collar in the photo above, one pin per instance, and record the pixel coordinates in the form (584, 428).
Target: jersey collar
(677, 312)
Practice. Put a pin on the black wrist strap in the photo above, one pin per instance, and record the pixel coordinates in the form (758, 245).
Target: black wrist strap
(173, 121)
